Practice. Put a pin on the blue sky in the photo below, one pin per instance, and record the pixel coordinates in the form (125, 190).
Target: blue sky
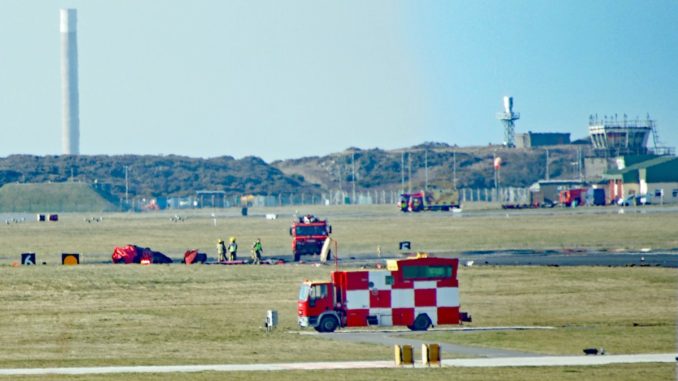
(285, 79)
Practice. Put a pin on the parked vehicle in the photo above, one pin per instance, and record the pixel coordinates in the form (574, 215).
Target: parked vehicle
(435, 200)
(633, 200)
(595, 196)
(573, 197)
(417, 292)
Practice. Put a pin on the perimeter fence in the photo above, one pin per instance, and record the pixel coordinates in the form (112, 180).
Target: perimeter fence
(507, 195)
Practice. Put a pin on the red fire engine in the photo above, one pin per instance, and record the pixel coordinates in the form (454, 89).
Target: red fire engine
(308, 235)
(573, 197)
(417, 292)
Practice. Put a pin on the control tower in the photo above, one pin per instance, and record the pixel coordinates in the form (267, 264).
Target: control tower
(614, 137)
(508, 118)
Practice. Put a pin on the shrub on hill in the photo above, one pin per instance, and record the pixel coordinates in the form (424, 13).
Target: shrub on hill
(153, 176)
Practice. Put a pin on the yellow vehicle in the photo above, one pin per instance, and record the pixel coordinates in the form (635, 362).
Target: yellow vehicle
(434, 200)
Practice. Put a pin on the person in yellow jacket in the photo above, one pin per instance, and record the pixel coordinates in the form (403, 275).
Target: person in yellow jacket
(221, 250)
(232, 249)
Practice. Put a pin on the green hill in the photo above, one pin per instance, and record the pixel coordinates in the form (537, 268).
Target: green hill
(153, 176)
(52, 197)
(382, 169)
(115, 178)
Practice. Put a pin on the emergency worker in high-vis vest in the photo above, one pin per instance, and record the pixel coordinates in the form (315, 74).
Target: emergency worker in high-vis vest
(232, 249)
(257, 250)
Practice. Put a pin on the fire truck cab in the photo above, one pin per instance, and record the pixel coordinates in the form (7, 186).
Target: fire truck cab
(316, 305)
(417, 292)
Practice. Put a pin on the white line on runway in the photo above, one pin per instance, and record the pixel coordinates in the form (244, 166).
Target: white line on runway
(488, 362)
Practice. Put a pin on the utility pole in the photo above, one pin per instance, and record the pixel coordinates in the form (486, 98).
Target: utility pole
(454, 169)
(409, 172)
(353, 201)
(402, 172)
(426, 168)
(548, 170)
(126, 187)
(579, 164)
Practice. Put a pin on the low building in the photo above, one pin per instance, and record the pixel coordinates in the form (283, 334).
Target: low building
(598, 167)
(541, 139)
(656, 180)
(548, 191)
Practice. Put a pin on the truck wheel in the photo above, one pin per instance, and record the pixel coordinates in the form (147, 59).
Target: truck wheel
(296, 256)
(421, 323)
(328, 324)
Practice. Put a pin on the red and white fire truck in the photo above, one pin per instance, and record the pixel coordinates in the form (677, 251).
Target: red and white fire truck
(417, 292)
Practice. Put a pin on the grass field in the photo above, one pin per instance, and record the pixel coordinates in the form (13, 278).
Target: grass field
(99, 314)
(359, 231)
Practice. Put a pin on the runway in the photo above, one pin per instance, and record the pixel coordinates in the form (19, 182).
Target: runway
(582, 258)
(485, 362)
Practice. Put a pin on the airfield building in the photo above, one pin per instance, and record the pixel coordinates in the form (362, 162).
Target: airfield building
(541, 139)
(656, 180)
(547, 191)
(625, 139)
(614, 137)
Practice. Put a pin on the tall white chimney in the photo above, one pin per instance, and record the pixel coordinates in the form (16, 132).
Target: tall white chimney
(69, 83)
